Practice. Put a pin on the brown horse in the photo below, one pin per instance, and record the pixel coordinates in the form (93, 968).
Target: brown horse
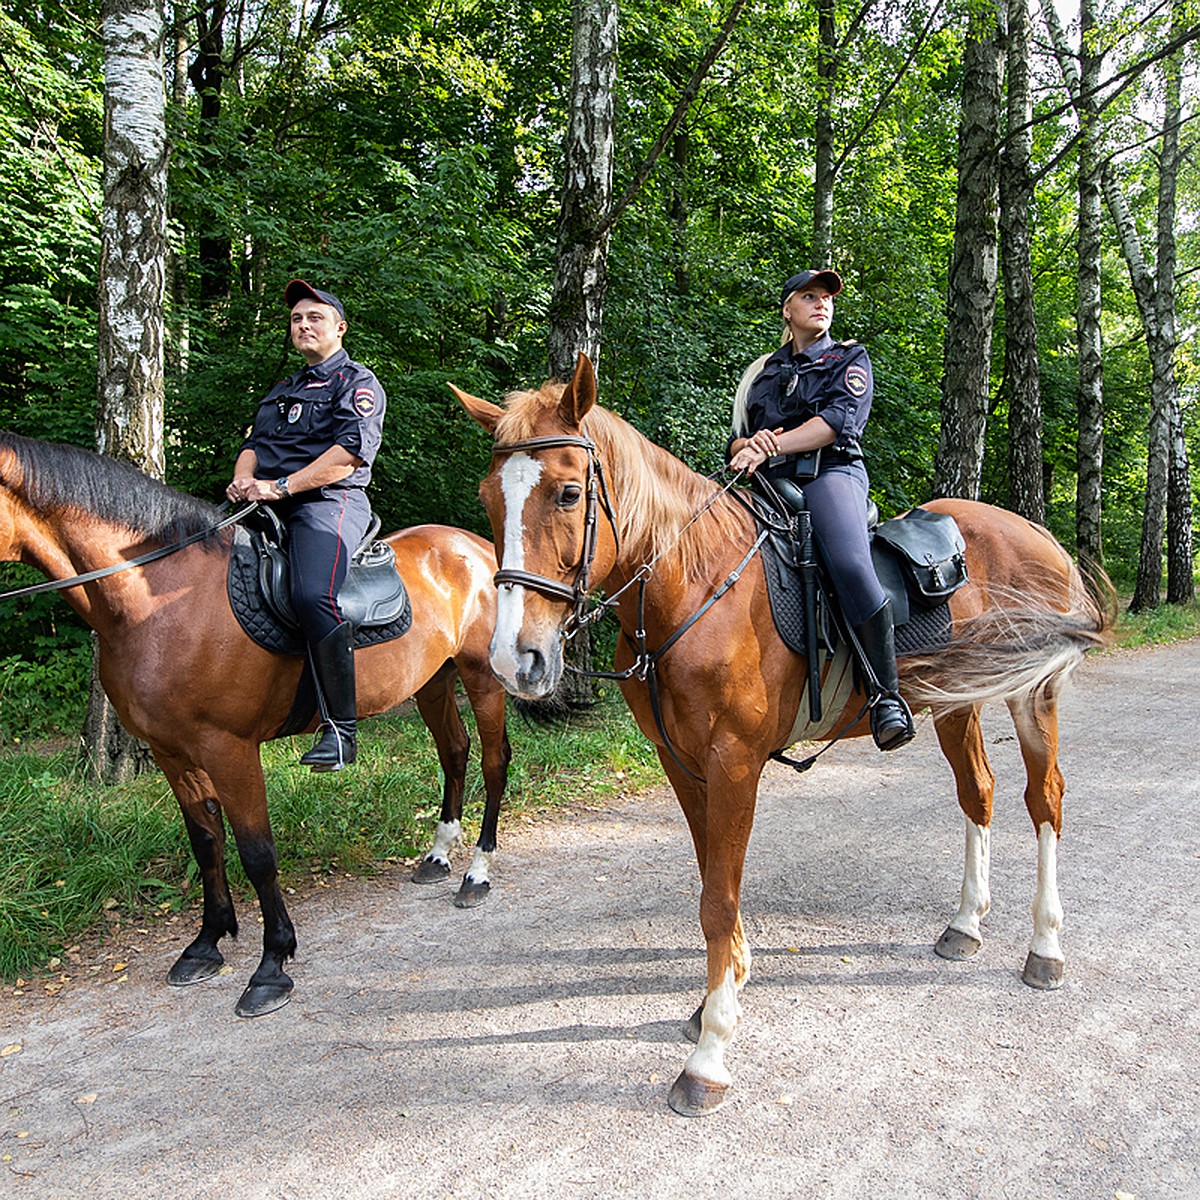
(577, 498)
(186, 679)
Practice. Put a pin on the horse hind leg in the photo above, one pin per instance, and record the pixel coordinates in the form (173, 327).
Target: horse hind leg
(961, 738)
(1035, 716)
(438, 709)
(488, 703)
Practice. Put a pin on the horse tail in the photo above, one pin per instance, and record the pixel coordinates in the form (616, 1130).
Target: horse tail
(1014, 648)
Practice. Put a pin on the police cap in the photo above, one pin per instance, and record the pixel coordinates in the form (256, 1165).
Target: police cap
(831, 281)
(298, 290)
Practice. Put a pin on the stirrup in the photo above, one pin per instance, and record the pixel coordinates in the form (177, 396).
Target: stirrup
(332, 749)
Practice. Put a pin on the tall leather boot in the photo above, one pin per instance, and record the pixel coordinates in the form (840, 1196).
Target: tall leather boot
(891, 721)
(333, 665)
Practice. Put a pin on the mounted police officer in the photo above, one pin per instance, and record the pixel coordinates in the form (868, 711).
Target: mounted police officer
(799, 417)
(310, 453)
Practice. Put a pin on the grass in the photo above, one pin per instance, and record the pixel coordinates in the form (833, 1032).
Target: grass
(74, 851)
(1157, 626)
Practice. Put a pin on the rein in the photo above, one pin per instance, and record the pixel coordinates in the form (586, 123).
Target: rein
(645, 661)
(57, 585)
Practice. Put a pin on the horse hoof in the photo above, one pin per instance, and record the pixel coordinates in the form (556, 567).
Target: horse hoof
(956, 945)
(1045, 974)
(261, 998)
(691, 1027)
(692, 1097)
(471, 893)
(431, 870)
(188, 970)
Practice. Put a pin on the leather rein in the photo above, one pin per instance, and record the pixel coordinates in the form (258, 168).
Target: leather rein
(58, 585)
(645, 660)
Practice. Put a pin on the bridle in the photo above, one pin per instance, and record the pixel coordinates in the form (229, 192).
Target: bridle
(575, 594)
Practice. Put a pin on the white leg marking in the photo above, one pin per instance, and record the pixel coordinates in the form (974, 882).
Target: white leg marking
(976, 894)
(518, 476)
(448, 835)
(480, 868)
(1047, 909)
(717, 1024)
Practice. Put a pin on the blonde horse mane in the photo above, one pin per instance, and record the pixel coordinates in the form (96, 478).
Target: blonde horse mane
(654, 495)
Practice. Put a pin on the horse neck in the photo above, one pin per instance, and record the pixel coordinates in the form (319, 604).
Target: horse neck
(655, 497)
(65, 543)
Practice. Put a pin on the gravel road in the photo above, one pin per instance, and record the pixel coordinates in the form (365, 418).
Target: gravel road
(525, 1048)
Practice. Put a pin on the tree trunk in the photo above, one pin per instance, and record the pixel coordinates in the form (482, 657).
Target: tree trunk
(129, 419)
(207, 74)
(971, 294)
(1089, 446)
(823, 156)
(1181, 587)
(1020, 322)
(581, 263)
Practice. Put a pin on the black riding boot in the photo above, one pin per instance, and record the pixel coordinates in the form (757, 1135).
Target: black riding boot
(333, 665)
(891, 721)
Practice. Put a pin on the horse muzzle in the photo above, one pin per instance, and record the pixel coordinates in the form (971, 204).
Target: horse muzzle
(525, 653)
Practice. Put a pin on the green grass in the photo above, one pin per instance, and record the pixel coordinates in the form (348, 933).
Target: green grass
(1166, 623)
(73, 849)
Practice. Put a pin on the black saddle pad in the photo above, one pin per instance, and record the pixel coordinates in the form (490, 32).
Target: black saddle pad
(926, 629)
(261, 624)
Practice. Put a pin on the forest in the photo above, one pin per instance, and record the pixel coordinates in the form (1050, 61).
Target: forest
(1011, 194)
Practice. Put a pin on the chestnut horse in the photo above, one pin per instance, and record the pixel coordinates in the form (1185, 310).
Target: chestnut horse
(185, 678)
(578, 499)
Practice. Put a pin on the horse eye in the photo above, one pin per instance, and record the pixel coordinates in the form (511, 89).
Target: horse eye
(569, 496)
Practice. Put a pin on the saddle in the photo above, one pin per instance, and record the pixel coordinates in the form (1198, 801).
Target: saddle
(373, 597)
(919, 558)
(373, 594)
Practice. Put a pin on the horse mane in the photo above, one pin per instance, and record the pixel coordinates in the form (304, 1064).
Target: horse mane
(654, 495)
(55, 476)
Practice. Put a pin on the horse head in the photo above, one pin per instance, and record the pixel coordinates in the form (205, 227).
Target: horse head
(543, 496)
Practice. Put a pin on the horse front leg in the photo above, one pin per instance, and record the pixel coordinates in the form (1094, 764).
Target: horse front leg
(239, 785)
(720, 815)
(488, 703)
(436, 704)
(1036, 720)
(202, 959)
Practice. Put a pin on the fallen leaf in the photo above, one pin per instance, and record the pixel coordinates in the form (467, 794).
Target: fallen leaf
(11, 1048)
(119, 966)
(89, 1098)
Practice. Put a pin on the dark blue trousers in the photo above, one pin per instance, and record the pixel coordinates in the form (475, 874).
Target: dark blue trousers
(837, 500)
(323, 533)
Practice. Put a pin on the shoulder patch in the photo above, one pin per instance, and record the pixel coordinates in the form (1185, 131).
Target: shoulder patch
(856, 380)
(364, 401)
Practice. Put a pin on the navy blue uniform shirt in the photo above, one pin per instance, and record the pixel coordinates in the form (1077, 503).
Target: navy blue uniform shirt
(336, 402)
(831, 380)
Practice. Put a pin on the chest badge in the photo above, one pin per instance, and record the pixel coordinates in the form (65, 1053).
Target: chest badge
(294, 413)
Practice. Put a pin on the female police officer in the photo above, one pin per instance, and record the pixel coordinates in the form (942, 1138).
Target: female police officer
(814, 394)
(310, 453)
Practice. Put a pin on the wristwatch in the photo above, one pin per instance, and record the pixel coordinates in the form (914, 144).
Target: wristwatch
(282, 485)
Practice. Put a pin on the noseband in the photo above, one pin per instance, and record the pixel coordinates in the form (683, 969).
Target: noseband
(575, 594)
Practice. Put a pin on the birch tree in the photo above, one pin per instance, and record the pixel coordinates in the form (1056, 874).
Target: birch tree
(129, 419)
(971, 288)
(1026, 490)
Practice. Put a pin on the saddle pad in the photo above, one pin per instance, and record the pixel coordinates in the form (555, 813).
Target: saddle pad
(261, 625)
(926, 629)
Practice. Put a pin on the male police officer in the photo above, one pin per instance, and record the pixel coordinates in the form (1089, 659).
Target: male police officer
(310, 453)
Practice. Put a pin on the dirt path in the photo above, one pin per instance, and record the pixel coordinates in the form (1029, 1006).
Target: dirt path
(524, 1049)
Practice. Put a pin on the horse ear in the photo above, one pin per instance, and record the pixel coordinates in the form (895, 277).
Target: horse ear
(580, 395)
(484, 411)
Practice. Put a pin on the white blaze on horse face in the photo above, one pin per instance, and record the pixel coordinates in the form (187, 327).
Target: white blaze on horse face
(518, 478)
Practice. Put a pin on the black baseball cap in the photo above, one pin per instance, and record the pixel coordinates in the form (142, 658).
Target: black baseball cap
(298, 290)
(831, 281)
